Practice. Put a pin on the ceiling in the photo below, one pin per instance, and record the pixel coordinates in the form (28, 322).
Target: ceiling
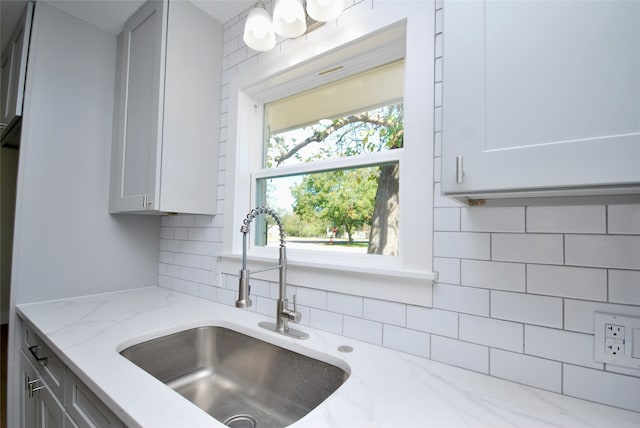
(110, 15)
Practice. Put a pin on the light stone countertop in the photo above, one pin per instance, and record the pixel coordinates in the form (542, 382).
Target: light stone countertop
(385, 388)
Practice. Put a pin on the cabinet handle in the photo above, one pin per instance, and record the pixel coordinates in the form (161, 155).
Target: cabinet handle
(146, 203)
(31, 389)
(34, 351)
(459, 170)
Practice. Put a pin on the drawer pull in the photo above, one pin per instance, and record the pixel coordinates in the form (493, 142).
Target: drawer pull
(34, 351)
(32, 388)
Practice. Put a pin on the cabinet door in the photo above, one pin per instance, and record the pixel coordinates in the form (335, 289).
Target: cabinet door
(14, 68)
(28, 405)
(40, 409)
(50, 413)
(85, 409)
(540, 96)
(139, 97)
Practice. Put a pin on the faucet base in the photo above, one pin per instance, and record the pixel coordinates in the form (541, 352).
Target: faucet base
(291, 332)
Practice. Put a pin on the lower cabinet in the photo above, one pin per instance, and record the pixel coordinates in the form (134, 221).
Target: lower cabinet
(40, 408)
(53, 396)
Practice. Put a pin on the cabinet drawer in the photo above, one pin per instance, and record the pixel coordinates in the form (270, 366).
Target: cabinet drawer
(85, 408)
(50, 367)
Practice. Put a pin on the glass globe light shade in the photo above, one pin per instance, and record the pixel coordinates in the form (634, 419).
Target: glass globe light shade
(258, 29)
(289, 18)
(325, 10)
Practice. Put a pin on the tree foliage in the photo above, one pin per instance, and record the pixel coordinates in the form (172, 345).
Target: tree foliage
(354, 197)
(339, 198)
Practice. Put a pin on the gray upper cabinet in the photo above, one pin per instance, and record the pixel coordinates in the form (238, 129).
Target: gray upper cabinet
(166, 123)
(541, 98)
(13, 70)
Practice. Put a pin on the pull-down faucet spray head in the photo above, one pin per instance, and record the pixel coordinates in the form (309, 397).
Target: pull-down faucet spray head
(244, 289)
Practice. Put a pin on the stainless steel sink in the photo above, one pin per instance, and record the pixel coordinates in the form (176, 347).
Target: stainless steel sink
(239, 380)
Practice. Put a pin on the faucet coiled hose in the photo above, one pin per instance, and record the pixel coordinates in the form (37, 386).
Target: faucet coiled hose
(264, 210)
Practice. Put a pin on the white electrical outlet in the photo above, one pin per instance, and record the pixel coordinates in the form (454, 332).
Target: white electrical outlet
(613, 330)
(613, 347)
(617, 339)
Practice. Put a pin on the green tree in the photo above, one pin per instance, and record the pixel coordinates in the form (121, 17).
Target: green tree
(342, 198)
(320, 195)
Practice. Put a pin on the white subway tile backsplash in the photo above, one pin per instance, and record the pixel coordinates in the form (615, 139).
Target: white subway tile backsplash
(385, 312)
(192, 288)
(187, 220)
(446, 219)
(560, 345)
(602, 387)
(448, 270)
(494, 275)
(365, 330)
(174, 246)
(172, 270)
(181, 233)
(264, 306)
(436, 321)
(405, 340)
(461, 299)
(166, 232)
(624, 286)
(578, 314)
(345, 304)
(186, 273)
(461, 354)
(165, 257)
(614, 251)
(531, 248)
(227, 296)
(208, 292)
(259, 287)
(327, 321)
(566, 219)
(312, 298)
(493, 219)
(624, 219)
(164, 281)
(440, 201)
(565, 281)
(527, 308)
(195, 233)
(532, 371)
(465, 245)
(491, 332)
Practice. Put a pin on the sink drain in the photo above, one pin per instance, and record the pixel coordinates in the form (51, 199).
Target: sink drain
(240, 421)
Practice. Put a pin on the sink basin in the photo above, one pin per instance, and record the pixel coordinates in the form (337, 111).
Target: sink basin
(238, 379)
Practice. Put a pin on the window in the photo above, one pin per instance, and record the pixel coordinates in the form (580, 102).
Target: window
(341, 189)
(275, 107)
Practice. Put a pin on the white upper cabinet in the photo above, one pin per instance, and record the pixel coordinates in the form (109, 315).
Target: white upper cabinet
(166, 123)
(13, 64)
(541, 98)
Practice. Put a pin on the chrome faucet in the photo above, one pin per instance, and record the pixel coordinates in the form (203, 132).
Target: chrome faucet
(283, 313)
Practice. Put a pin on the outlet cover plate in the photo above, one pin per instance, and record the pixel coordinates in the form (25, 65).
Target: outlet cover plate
(629, 326)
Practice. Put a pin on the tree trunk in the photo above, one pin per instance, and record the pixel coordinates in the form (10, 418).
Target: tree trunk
(384, 224)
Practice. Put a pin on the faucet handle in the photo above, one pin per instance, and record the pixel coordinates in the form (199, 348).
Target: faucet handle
(292, 315)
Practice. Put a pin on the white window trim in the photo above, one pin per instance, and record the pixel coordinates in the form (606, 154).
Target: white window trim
(406, 278)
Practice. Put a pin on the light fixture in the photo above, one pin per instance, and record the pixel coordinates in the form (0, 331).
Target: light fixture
(325, 10)
(289, 20)
(258, 29)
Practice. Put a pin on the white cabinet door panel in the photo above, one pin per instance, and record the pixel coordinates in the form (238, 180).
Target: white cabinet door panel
(541, 95)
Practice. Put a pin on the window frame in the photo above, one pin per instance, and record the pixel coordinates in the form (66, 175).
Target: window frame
(404, 278)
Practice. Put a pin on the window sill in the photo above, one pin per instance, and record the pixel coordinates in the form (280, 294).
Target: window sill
(408, 286)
